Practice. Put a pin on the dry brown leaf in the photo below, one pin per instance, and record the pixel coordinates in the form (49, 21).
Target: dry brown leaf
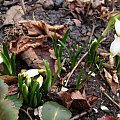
(13, 89)
(76, 6)
(66, 98)
(9, 79)
(14, 14)
(76, 100)
(92, 99)
(79, 102)
(115, 78)
(34, 57)
(30, 46)
(25, 42)
(77, 22)
(112, 81)
(35, 28)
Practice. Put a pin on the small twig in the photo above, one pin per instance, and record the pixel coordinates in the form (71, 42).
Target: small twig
(70, 74)
(33, 15)
(26, 113)
(23, 6)
(78, 116)
(111, 99)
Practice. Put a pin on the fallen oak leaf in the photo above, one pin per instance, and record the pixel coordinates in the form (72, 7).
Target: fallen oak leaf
(25, 42)
(9, 79)
(34, 57)
(40, 27)
(75, 100)
(112, 81)
(79, 101)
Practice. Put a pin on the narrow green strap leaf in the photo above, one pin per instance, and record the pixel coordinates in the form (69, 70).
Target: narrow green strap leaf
(6, 70)
(13, 64)
(7, 62)
(64, 42)
(34, 88)
(5, 51)
(48, 81)
(20, 82)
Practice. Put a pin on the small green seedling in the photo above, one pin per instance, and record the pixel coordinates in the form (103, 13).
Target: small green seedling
(72, 55)
(50, 80)
(7, 61)
(30, 88)
(59, 48)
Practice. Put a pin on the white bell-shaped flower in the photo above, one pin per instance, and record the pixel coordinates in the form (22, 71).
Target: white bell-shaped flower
(117, 27)
(1, 59)
(115, 47)
(31, 72)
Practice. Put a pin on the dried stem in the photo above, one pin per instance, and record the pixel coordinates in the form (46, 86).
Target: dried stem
(78, 116)
(23, 6)
(26, 113)
(111, 99)
(70, 74)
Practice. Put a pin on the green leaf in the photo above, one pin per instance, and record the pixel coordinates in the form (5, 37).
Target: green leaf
(7, 110)
(17, 101)
(13, 65)
(55, 112)
(7, 62)
(33, 90)
(5, 51)
(25, 93)
(6, 70)
(48, 80)
(3, 89)
(20, 82)
(64, 42)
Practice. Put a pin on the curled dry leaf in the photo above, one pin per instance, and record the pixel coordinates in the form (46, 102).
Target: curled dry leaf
(23, 43)
(76, 6)
(30, 45)
(34, 57)
(76, 99)
(9, 79)
(112, 80)
(36, 28)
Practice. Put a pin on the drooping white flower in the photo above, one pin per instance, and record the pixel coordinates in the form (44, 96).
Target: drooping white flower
(31, 72)
(1, 60)
(117, 27)
(115, 47)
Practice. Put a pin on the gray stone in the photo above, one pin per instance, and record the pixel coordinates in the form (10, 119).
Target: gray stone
(48, 5)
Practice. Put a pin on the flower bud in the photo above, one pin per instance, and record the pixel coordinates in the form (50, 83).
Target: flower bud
(40, 80)
(25, 92)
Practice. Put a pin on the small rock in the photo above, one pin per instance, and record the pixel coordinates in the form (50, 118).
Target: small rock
(1, 1)
(104, 108)
(48, 5)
